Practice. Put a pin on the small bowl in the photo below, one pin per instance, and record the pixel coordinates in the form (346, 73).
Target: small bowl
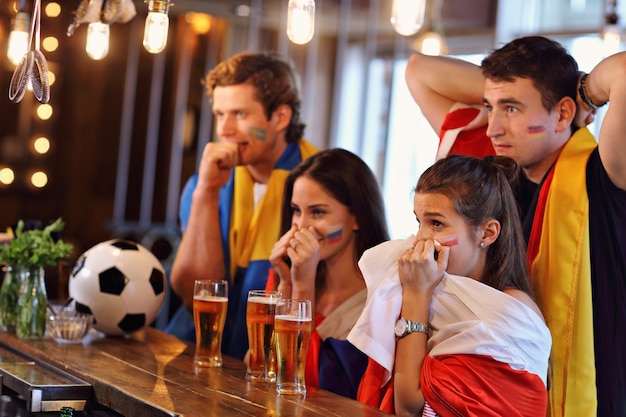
(69, 326)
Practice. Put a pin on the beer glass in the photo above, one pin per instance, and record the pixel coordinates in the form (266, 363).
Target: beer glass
(292, 331)
(210, 301)
(260, 322)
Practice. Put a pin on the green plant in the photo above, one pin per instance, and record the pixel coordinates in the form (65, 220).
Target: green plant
(35, 248)
(23, 299)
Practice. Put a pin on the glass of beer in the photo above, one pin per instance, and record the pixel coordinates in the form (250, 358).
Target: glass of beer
(260, 312)
(210, 300)
(292, 331)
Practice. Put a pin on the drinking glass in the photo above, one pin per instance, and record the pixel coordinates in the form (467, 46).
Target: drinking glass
(292, 331)
(210, 302)
(260, 312)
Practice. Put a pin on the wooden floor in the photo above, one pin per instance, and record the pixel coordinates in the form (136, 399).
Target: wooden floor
(153, 375)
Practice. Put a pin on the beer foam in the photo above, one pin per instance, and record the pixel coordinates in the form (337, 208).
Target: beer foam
(287, 317)
(210, 298)
(263, 300)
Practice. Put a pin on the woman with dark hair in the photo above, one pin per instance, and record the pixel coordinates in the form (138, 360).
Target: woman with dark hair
(470, 340)
(332, 212)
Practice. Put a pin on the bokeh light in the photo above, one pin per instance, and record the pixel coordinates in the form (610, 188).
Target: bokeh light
(41, 145)
(200, 22)
(7, 176)
(50, 43)
(44, 111)
(39, 179)
(53, 9)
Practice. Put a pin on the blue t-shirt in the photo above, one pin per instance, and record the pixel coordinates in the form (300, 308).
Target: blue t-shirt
(254, 277)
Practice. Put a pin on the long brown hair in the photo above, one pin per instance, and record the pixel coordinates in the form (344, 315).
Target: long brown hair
(349, 180)
(480, 190)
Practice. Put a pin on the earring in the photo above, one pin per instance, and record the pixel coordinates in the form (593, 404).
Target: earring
(483, 245)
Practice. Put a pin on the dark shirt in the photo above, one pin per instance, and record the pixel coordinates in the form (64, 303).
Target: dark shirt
(607, 239)
(527, 194)
(607, 236)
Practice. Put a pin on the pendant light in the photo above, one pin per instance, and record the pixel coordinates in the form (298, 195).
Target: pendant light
(300, 21)
(407, 16)
(157, 26)
(18, 38)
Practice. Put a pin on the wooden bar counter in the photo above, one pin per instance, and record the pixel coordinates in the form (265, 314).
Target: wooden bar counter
(152, 374)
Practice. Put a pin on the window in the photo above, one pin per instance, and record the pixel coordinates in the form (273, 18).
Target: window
(411, 148)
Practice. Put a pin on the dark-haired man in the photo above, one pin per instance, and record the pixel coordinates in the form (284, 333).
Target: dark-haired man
(573, 198)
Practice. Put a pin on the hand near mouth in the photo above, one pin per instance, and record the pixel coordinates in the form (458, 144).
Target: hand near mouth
(218, 159)
(295, 258)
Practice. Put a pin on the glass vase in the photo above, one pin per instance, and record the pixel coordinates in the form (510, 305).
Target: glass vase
(9, 293)
(32, 304)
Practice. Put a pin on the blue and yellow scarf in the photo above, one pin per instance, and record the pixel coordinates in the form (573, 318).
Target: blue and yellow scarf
(248, 236)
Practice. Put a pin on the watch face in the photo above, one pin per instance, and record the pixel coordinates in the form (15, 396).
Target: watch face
(401, 327)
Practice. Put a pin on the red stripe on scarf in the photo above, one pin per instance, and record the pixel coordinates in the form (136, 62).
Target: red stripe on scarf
(471, 142)
(459, 118)
(371, 390)
(479, 386)
(271, 284)
(535, 232)
(467, 385)
(312, 366)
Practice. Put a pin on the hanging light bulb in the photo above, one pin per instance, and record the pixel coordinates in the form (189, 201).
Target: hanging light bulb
(97, 45)
(407, 16)
(157, 24)
(431, 43)
(611, 33)
(18, 38)
(300, 21)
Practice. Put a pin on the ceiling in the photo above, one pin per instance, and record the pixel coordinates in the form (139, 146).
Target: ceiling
(458, 16)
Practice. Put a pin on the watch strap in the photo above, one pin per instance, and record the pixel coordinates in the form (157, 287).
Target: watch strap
(582, 91)
(416, 326)
(405, 326)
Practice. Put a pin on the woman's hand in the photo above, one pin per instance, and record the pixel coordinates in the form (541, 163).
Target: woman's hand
(279, 257)
(421, 267)
(295, 258)
(304, 252)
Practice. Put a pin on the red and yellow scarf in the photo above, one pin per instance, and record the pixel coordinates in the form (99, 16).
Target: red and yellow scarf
(559, 256)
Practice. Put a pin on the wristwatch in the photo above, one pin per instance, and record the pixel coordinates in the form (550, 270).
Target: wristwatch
(406, 326)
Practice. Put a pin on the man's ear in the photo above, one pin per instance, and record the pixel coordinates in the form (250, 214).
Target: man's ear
(566, 112)
(282, 117)
(490, 231)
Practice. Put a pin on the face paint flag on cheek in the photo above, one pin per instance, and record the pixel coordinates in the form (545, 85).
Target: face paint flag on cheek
(451, 240)
(257, 133)
(536, 132)
(334, 237)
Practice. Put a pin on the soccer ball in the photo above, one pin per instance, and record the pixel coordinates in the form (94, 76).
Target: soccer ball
(120, 283)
